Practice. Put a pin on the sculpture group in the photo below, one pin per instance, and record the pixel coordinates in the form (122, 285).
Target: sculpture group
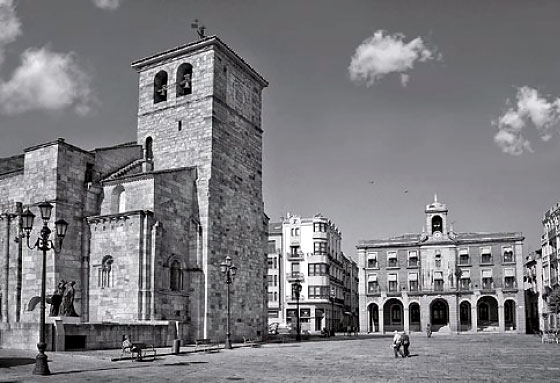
(62, 300)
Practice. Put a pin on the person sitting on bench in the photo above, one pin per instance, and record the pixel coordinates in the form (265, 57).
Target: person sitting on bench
(126, 344)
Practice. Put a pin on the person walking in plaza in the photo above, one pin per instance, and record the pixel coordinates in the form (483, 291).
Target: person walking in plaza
(405, 339)
(429, 330)
(397, 343)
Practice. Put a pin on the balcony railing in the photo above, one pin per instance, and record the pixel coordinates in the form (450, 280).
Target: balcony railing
(295, 256)
(294, 276)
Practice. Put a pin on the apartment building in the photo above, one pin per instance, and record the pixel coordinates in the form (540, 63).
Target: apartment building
(307, 252)
(550, 291)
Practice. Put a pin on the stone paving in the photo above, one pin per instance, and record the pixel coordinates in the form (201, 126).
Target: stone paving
(449, 358)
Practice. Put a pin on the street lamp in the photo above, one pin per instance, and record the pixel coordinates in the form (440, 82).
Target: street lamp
(229, 270)
(333, 295)
(43, 244)
(296, 288)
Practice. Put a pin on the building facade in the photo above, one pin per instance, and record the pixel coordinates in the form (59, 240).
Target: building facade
(455, 282)
(550, 290)
(308, 251)
(150, 221)
(533, 282)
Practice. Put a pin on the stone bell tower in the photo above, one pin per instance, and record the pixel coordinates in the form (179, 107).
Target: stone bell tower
(200, 107)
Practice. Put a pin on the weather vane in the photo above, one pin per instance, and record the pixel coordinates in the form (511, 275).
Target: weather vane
(199, 28)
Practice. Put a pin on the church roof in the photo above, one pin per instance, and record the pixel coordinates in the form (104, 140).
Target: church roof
(195, 45)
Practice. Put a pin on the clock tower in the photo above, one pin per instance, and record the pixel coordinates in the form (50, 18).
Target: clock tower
(436, 220)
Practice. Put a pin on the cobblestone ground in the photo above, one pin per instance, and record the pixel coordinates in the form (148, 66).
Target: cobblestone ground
(450, 358)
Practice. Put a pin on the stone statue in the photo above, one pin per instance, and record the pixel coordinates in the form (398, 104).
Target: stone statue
(56, 298)
(68, 300)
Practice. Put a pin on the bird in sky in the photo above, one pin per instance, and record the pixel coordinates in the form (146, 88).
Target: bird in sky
(371, 182)
(405, 191)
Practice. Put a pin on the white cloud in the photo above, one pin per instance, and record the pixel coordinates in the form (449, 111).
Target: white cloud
(46, 80)
(107, 4)
(530, 110)
(380, 55)
(10, 26)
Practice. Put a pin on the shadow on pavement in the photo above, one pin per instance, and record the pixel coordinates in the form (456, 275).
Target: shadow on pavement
(12, 362)
(182, 363)
(136, 364)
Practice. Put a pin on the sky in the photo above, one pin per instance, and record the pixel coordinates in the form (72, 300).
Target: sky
(373, 106)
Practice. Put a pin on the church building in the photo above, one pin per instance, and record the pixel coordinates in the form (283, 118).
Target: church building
(151, 221)
(452, 282)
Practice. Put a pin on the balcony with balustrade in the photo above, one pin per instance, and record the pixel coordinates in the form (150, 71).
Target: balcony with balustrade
(294, 276)
(296, 256)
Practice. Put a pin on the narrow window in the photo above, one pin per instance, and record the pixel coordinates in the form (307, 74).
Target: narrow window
(89, 173)
(184, 80)
(160, 87)
(122, 201)
(105, 279)
(149, 148)
(118, 200)
(175, 276)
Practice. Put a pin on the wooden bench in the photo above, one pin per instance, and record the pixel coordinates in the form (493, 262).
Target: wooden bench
(140, 351)
(207, 345)
(253, 342)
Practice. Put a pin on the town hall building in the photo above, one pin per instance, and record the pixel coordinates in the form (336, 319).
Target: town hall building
(150, 221)
(453, 282)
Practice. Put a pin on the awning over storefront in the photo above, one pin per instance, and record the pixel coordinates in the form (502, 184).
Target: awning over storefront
(372, 278)
(487, 273)
(392, 277)
(413, 277)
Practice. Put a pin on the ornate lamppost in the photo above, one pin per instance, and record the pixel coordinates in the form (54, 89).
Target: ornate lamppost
(296, 288)
(229, 270)
(333, 295)
(43, 244)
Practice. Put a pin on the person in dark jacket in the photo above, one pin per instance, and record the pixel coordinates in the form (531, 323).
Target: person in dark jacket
(405, 339)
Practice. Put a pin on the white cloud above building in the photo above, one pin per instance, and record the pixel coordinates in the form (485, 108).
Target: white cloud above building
(383, 54)
(531, 110)
(44, 80)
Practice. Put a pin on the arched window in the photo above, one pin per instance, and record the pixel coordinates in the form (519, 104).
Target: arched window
(437, 224)
(122, 201)
(184, 80)
(118, 200)
(149, 148)
(104, 278)
(175, 280)
(160, 87)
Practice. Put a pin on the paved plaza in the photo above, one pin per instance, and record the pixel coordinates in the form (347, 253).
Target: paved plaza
(449, 358)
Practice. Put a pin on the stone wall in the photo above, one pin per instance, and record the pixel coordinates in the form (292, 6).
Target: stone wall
(123, 237)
